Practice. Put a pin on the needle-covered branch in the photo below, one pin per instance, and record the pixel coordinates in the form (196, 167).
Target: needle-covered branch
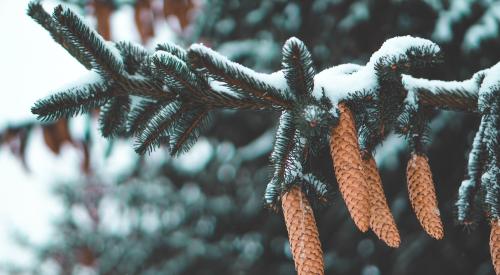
(166, 97)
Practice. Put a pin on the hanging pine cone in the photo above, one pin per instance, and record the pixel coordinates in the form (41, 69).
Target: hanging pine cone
(302, 232)
(348, 168)
(423, 196)
(381, 219)
(495, 245)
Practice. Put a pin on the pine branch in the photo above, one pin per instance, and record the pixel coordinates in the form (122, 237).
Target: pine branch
(236, 77)
(139, 77)
(113, 116)
(173, 50)
(315, 186)
(452, 100)
(72, 102)
(142, 113)
(490, 185)
(176, 74)
(90, 43)
(177, 89)
(187, 130)
(158, 127)
(287, 153)
(451, 95)
(470, 186)
(298, 68)
(135, 58)
(389, 67)
(490, 179)
(36, 11)
(272, 193)
(466, 210)
(413, 124)
(492, 136)
(367, 114)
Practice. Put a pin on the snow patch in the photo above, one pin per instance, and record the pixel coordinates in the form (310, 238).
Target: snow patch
(437, 87)
(443, 31)
(339, 82)
(491, 80)
(276, 79)
(487, 28)
(219, 87)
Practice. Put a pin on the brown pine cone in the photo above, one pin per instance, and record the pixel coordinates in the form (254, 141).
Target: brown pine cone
(381, 219)
(348, 168)
(302, 232)
(423, 196)
(495, 245)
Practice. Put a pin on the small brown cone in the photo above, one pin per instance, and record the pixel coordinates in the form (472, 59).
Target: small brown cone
(302, 232)
(495, 246)
(423, 196)
(103, 11)
(348, 168)
(143, 16)
(381, 219)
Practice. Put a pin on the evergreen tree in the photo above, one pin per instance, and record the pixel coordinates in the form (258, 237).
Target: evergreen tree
(357, 104)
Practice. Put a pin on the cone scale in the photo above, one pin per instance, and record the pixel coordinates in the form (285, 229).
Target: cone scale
(423, 195)
(381, 220)
(495, 246)
(348, 168)
(302, 232)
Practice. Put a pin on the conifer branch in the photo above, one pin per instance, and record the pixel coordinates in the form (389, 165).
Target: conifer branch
(173, 50)
(187, 130)
(36, 11)
(447, 95)
(72, 102)
(89, 42)
(113, 116)
(142, 113)
(284, 156)
(176, 74)
(347, 106)
(316, 187)
(468, 190)
(413, 124)
(158, 126)
(135, 58)
(298, 68)
(236, 77)
(272, 193)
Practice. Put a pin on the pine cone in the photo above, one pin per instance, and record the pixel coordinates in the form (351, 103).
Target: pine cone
(423, 196)
(381, 219)
(302, 232)
(348, 168)
(495, 245)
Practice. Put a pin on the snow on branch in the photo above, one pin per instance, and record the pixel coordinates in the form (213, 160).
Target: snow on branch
(175, 90)
(454, 95)
(339, 82)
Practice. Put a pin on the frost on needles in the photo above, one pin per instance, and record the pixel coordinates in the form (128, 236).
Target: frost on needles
(167, 96)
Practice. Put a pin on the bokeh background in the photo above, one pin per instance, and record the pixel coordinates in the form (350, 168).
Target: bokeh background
(74, 203)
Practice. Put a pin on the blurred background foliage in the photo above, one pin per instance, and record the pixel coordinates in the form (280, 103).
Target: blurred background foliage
(204, 213)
